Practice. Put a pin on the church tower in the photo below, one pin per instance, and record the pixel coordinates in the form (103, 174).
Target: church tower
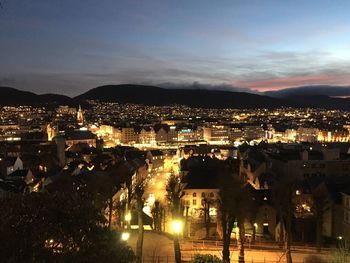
(51, 132)
(80, 116)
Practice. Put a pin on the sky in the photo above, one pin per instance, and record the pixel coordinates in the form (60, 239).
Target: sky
(71, 46)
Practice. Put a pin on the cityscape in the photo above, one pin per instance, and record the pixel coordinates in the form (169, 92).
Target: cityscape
(171, 162)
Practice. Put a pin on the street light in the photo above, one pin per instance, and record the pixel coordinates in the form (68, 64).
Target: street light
(177, 226)
(128, 217)
(125, 236)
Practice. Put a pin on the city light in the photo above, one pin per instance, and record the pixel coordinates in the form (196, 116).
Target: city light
(128, 217)
(177, 226)
(125, 236)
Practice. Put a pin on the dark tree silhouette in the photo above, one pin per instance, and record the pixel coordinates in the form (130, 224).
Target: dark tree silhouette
(43, 227)
(175, 192)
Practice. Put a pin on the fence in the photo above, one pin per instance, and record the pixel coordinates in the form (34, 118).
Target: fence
(170, 259)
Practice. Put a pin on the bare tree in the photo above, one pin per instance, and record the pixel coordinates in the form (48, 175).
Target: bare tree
(208, 202)
(175, 192)
(233, 207)
(157, 213)
(138, 195)
(283, 200)
(320, 205)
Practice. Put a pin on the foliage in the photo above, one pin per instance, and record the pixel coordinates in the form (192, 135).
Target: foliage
(342, 253)
(314, 259)
(206, 259)
(175, 191)
(43, 227)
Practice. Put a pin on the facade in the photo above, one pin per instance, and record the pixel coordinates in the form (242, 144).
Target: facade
(128, 136)
(80, 116)
(216, 134)
(147, 136)
(80, 137)
(254, 132)
(188, 135)
(346, 221)
(307, 134)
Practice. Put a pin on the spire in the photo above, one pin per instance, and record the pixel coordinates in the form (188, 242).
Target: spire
(80, 116)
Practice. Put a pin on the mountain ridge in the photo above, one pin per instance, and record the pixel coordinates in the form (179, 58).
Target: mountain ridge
(202, 98)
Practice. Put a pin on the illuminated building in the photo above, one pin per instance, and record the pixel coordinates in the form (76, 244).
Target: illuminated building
(51, 132)
(80, 116)
(128, 136)
(147, 136)
(216, 134)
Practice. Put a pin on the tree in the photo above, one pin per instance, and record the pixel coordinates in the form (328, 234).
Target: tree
(207, 203)
(157, 213)
(226, 213)
(43, 227)
(138, 193)
(233, 207)
(175, 192)
(138, 186)
(198, 258)
(319, 198)
(283, 201)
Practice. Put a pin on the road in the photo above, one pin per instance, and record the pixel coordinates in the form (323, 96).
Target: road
(159, 248)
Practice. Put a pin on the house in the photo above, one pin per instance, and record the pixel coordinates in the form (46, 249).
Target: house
(11, 164)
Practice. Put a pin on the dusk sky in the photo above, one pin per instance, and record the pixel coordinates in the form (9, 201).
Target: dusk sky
(70, 46)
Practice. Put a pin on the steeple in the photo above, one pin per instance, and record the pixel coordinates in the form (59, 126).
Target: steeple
(80, 116)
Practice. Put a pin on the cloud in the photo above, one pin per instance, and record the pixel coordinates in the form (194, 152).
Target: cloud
(293, 81)
(198, 85)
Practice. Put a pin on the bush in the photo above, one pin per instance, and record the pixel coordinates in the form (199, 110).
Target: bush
(206, 259)
(314, 259)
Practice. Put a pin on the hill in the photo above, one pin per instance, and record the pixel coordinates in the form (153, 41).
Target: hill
(11, 96)
(314, 90)
(311, 97)
(150, 95)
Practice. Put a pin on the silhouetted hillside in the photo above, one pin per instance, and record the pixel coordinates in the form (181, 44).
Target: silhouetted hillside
(11, 96)
(203, 98)
(318, 90)
(150, 95)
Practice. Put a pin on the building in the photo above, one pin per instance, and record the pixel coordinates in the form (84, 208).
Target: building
(190, 135)
(216, 134)
(147, 136)
(129, 136)
(11, 164)
(51, 132)
(80, 116)
(80, 136)
(253, 132)
(307, 134)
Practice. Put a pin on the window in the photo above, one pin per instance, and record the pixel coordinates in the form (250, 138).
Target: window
(211, 194)
(203, 194)
(194, 202)
(194, 194)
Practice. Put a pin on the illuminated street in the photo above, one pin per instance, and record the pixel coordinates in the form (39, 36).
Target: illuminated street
(160, 246)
